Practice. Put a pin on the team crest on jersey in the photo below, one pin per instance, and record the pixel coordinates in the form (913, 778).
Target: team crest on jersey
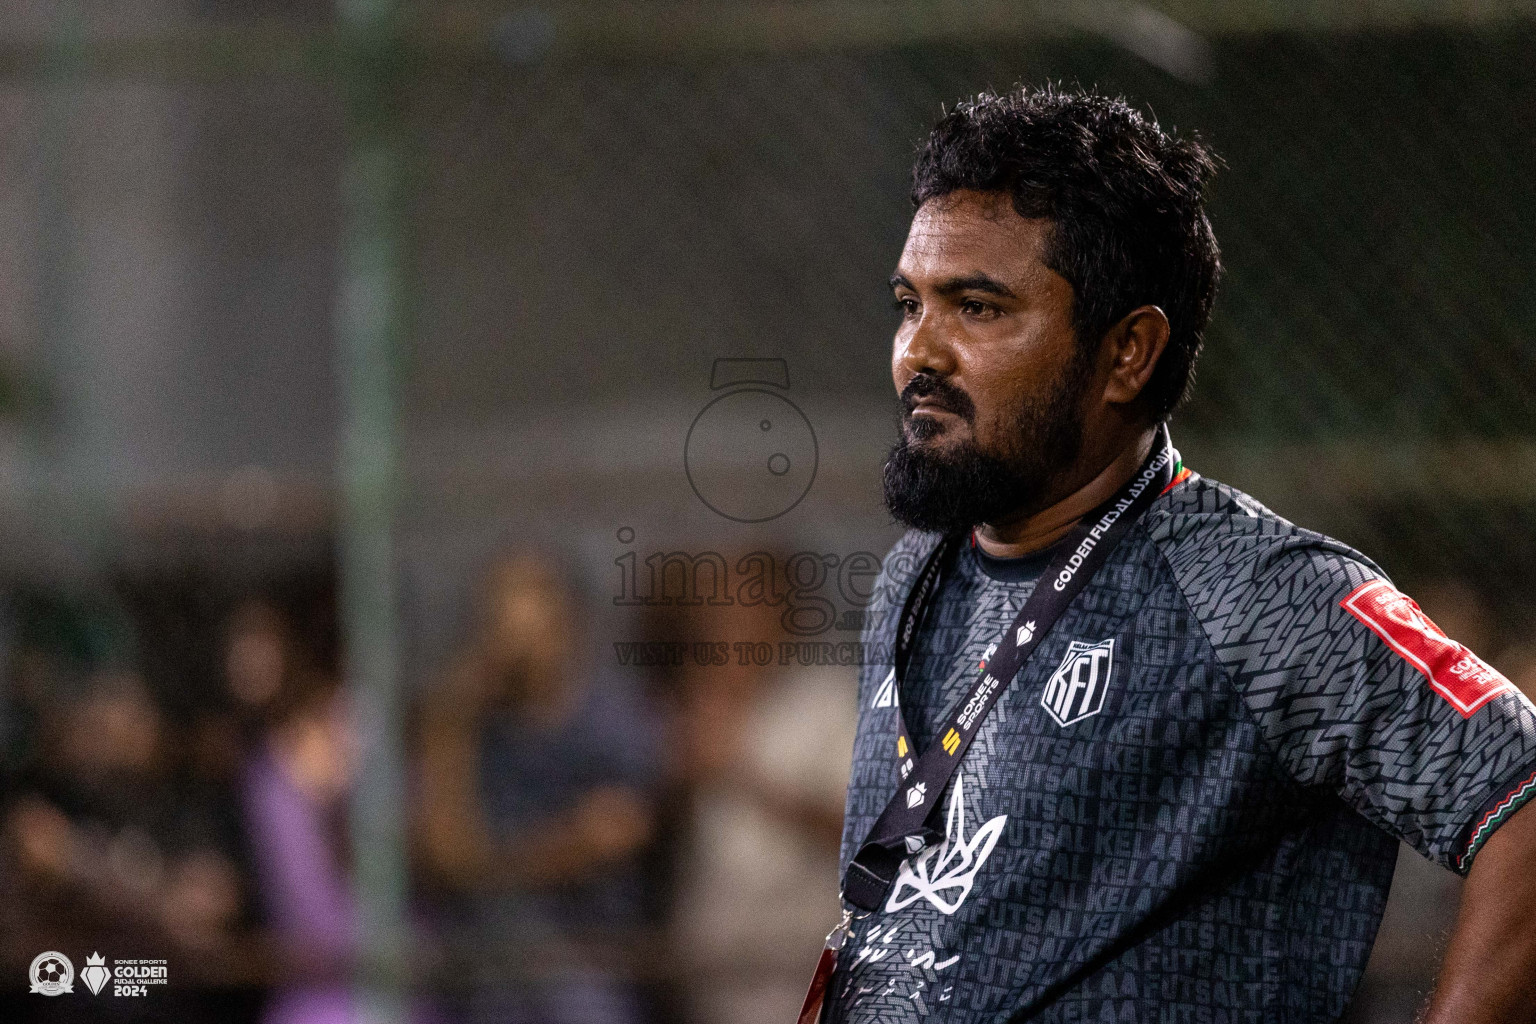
(1076, 689)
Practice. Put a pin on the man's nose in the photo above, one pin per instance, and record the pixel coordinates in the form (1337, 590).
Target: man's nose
(924, 349)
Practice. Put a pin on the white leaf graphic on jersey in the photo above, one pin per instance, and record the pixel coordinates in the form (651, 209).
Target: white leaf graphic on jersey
(885, 697)
(943, 874)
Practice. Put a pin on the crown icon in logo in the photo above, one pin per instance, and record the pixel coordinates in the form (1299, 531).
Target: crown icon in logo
(943, 875)
(95, 974)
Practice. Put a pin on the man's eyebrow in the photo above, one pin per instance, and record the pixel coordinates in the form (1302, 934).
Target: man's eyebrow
(974, 283)
(969, 283)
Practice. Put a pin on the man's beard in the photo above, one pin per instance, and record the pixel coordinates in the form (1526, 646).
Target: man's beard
(955, 489)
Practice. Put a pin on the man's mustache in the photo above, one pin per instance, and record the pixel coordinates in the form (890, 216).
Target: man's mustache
(938, 391)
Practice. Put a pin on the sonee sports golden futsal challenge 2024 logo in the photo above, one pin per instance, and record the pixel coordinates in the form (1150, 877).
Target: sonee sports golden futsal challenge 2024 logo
(53, 974)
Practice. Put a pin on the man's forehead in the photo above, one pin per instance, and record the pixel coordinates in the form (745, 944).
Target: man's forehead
(968, 233)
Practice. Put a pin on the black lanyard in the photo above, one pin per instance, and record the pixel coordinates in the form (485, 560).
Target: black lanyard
(902, 828)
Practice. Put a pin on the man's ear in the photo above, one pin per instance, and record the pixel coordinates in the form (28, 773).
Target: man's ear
(1132, 347)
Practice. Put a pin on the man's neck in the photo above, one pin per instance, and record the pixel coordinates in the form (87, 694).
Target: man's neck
(1017, 537)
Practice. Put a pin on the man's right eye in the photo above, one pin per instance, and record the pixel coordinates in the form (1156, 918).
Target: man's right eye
(906, 306)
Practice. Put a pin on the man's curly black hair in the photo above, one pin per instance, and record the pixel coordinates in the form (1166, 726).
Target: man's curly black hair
(1126, 201)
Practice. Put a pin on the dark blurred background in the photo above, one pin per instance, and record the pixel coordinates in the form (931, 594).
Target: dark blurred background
(384, 393)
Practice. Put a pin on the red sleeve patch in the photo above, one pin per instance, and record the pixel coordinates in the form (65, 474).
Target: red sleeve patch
(1454, 672)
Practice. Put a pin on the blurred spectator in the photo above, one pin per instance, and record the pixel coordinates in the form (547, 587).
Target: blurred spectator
(533, 807)
(764, 754)
(295, 773)
(101, 848)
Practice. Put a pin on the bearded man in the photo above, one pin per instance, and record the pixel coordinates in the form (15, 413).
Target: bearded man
(1142, 750)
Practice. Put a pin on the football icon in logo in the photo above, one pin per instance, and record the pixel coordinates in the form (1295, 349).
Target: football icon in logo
(751, 454)
(95, 974)
(52, 974)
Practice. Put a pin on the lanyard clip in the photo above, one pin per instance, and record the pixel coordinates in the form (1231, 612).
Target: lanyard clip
(839, 935)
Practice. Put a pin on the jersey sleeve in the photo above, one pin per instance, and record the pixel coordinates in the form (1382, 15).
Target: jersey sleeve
(1358, 692)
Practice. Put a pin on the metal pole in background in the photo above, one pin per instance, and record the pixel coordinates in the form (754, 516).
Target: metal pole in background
(369, 325)
(64, 478)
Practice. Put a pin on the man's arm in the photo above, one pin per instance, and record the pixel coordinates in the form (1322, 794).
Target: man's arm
(606, 824)
(1489, 973)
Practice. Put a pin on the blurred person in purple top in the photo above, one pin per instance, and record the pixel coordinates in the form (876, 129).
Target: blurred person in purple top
(293, 783)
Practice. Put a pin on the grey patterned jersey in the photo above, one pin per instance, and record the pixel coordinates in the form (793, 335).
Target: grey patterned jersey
(1184, 806)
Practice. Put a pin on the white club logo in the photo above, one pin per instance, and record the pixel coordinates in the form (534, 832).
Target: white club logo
(917, 794)
(1026, 634)
(52, 974)
(96, 973)
(1076, 689)
(943, 875)
(913, 843)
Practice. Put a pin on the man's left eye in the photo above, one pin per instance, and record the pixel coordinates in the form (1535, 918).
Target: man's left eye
(973, 308)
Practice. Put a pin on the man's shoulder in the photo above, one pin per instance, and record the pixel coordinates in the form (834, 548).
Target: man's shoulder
(1226, 548)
